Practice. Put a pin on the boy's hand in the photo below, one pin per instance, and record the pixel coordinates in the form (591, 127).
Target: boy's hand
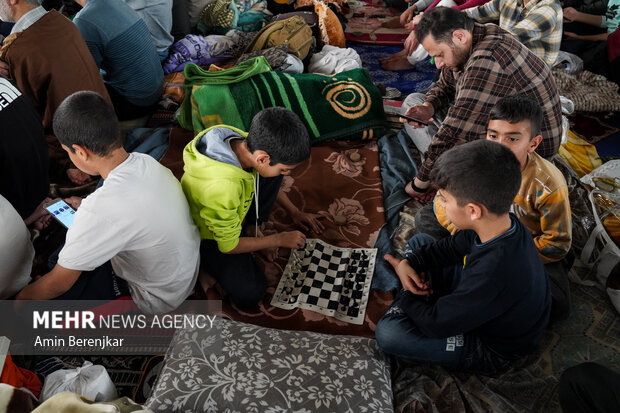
(74, 202)
(4, 70)
(408, 277)
(291, 239)
(570, 14)
(307, 220)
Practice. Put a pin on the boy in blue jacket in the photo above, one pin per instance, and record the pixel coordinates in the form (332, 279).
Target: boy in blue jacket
(478, 300)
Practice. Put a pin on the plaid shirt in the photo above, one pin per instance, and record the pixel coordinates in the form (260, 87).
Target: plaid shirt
(538, 24)
(498, 66)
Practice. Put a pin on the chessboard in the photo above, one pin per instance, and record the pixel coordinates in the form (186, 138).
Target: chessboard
(329, 280)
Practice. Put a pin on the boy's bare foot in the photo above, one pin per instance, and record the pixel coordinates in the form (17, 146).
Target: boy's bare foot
(397, 61)
(78, 177)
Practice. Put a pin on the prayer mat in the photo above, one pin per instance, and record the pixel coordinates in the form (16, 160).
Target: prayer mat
(591, 128)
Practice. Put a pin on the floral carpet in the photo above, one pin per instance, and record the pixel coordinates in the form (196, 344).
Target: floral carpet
(329, 184)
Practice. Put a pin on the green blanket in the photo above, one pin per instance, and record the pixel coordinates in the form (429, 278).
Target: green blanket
(342, 106)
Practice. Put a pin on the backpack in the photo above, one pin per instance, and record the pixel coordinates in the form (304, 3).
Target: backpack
(293, 31)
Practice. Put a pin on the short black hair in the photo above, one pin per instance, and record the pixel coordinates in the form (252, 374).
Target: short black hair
(483, 172)
(279, 132)
(440, 22)
(85, 118)
(517, 108)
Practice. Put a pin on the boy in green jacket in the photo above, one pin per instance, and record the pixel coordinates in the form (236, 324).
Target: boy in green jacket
(230, 174)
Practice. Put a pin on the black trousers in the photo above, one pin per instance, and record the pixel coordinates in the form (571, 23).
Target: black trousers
(238, 274)
(589, 388)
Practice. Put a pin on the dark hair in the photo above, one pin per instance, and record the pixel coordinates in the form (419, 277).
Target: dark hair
(279, 132)
(85, 118)
(441, 22)
(517, 108)
(483, 172)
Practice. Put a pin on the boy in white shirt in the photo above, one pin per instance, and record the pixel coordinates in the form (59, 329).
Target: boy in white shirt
(134, 234)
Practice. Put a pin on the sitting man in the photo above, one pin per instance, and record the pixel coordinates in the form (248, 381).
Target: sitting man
(541, 204)
(479, 300)
(24, 161)
(122, 47)
(413, 52)
(46, 56)
(535, 23)
(225, 172)
(479, 65)
(157, 14)
(133, 235)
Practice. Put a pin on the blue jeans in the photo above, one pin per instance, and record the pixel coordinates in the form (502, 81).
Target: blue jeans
(398, 334)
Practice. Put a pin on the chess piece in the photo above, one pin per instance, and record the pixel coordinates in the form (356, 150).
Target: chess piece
(340, 220)
(355, 156)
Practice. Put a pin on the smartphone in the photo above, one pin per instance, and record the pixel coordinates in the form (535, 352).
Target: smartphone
(413, 119)
(63, 213)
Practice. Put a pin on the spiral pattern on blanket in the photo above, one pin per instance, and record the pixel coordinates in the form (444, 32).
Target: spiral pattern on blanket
(349, 99)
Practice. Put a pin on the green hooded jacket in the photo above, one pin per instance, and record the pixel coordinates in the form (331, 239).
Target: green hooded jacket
(219, 193)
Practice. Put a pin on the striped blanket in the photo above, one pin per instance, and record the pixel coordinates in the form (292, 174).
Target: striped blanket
(342, 106)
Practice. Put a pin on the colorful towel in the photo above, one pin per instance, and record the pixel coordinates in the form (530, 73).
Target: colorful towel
(343, 106)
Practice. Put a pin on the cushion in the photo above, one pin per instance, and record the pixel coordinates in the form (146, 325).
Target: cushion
(245, 368)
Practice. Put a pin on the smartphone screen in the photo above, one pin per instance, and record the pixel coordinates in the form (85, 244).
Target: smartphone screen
(62, 212)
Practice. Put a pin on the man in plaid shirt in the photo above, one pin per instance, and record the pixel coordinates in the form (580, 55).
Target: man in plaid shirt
(479, 65)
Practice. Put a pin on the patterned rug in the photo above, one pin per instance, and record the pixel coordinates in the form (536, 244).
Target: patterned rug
(592, 128)
(406, 81)
(329, 184)
(367, 21)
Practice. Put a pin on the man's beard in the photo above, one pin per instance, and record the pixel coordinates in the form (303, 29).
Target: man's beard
(461, 56)
(5, 12)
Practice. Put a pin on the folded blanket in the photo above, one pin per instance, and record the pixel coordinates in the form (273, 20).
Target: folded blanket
(588, 91)
(343, 106)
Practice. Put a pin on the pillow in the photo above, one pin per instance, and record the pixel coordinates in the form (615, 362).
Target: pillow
(245, 368)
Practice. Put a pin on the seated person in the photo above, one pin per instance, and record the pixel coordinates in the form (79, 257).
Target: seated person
(535, 23)
(133, 235)
(414, 52)
(24, 161)
(37, 58)
(16, 251)
(122, 47)
(542, 203)
(157, 14)
(587, 6)
(479, 300)
(586, 36)
(230, 174)
(479, 65)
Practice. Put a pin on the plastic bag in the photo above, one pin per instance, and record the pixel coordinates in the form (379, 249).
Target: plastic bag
(90, 381)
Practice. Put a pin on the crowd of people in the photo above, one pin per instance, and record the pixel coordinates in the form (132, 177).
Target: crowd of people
(481, 281)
